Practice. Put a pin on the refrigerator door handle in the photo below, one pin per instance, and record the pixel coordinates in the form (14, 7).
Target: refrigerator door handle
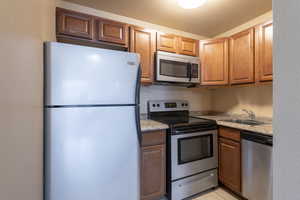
(137, 106)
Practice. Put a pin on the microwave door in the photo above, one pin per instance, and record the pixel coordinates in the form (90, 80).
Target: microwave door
(173, 71)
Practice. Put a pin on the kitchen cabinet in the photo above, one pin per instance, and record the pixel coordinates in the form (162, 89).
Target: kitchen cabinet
(79, 27)
(153, 165)
(265, 51)
(214, 62)
(242, 63)
(167, 42)
(143, 42)
(230, 158)
(177, 44)
(188, 46)
(112, 31)
(74, 24)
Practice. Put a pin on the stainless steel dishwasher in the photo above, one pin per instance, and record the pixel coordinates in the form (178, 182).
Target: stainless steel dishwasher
(257, 166)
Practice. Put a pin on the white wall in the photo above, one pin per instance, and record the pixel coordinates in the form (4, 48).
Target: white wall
(200, 99)
(24, 27)
(286, 100)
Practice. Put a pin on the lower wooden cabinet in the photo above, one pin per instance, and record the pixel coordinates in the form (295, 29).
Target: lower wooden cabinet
(153, 166)
(230, 160)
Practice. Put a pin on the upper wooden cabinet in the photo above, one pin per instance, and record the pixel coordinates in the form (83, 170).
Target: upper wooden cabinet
(265, 52)
(167, 42)
(142, 41)
(177, 44)
(242, 57)
(214, 61)
(112, 31)
(82, 27)
(188, 46)
(74, 24)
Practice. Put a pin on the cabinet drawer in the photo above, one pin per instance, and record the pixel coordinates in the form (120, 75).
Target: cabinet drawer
(153, 138)
(230, 133)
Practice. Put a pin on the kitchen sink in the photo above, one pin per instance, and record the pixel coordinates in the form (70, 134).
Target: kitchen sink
(245, 121)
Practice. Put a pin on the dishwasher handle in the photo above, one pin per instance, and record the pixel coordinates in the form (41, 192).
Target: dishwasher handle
(257, 137)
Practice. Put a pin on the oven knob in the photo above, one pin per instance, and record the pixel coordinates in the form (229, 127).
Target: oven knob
(186, 104)
(158, 105)
(153, 105)
(182, 104)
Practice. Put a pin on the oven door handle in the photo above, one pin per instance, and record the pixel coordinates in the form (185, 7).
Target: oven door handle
(193, 130)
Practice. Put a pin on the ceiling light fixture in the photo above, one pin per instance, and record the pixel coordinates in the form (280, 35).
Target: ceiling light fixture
(188, 4)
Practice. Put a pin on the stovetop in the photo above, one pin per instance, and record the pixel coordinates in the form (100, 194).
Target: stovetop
(176, 115)
(181, 120)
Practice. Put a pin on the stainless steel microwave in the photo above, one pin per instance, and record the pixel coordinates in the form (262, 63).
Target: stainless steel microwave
(171, 67)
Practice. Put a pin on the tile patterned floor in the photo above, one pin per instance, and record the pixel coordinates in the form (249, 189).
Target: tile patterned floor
(217, 194)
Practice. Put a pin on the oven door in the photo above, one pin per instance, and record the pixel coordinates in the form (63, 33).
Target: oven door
(177, 68)
(193, 153)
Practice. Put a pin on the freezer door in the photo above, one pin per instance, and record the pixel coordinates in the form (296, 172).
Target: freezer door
(77, 75)
(91, 154)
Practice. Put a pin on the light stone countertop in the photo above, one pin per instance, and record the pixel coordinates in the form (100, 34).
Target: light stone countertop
(150, 125)
(264, 128)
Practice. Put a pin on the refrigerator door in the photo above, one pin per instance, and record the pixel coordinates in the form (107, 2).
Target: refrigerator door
(91, 153)
(77, 75)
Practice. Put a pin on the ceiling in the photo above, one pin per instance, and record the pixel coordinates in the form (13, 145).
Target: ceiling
(213, 18)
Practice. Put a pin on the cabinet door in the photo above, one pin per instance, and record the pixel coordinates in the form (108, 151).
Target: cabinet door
(167, 42)
(214, 62)
(142, 41)
(188, 46)
(230, 164)
(153, 172)
(111, 31)
(74, 24)
(242, 57)
(265, 56)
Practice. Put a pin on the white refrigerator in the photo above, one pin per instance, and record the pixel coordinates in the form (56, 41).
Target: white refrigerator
(92, 127)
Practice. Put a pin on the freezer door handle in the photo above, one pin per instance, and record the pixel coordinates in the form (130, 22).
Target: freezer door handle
(137, 106)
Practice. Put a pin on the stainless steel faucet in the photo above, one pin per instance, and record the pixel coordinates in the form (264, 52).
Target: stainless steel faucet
(250, 113)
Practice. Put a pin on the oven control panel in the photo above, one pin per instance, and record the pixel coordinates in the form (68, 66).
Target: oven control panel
(168, 105)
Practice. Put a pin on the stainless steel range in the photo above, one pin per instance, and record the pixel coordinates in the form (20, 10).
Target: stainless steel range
(192, 151)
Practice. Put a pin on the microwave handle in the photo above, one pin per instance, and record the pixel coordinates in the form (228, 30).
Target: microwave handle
(189, 71)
